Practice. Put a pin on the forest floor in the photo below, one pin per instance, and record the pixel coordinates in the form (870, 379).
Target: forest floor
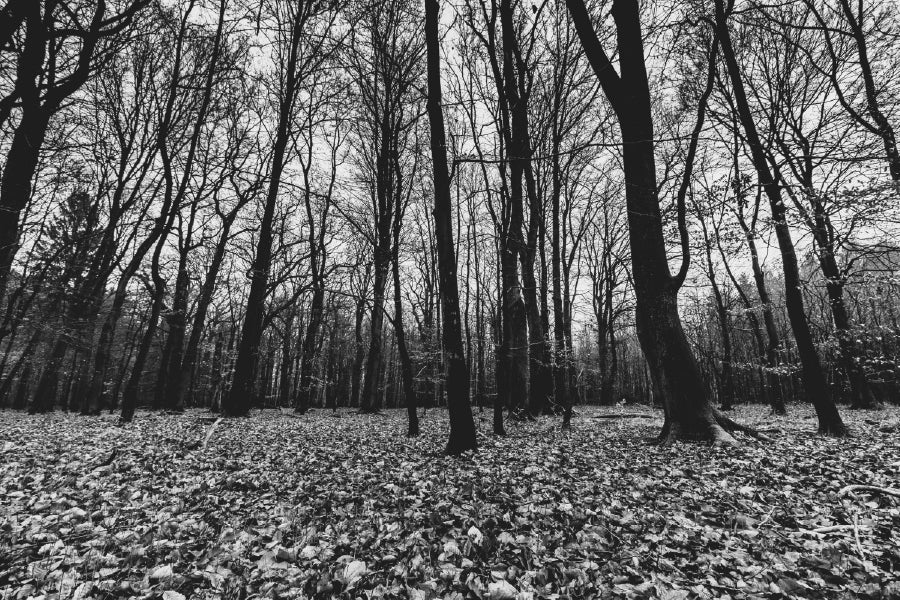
(276, 506)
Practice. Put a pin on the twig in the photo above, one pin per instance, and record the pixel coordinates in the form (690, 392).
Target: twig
(856, 537)
(827, 529)
(209, 433)
(626, 416)
(109, 459)
(869, 488)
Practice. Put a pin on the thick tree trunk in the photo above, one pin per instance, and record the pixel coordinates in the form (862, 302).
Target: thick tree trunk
(239, 398)
(15, 184)
(515, 336)
(674, 370)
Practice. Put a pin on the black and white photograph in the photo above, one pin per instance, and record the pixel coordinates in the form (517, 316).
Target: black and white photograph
(449, 299)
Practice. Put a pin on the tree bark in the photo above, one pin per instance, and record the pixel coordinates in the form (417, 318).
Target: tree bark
(462, 425)
(674, 370)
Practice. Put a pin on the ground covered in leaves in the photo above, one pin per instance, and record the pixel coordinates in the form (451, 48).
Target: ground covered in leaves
(325, 506)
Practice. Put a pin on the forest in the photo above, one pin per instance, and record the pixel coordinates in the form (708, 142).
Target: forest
(426, 299)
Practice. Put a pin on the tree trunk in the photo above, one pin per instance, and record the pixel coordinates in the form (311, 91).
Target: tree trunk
(674, 370)
(462, 425)
(873, 104)
(130, 395)
(726, 388)
(238, 400)
(168, 381)
(15, 185)
(204, 299)
(406, 368)
(369, 400)
(813, 377)
(284, 384)
(562, 364)
(860, 393)
(306, 390)
(359, 356)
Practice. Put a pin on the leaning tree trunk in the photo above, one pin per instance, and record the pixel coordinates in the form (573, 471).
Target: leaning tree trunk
(813, 376)
(673, 368)
(204, 300)
(238, 400)
(873, 104)
(15, 185)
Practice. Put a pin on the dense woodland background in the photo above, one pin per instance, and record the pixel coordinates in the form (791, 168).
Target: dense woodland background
(228, 204)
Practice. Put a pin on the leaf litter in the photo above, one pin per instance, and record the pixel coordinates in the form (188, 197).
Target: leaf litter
(325, 506)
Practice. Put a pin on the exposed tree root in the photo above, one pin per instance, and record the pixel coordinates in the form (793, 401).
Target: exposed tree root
(834, 431)
(719, 434)
(716, 436)
(869, 488)
(829, 529)
(730, 425)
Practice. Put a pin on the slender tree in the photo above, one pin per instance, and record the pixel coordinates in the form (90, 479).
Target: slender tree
(462, 425)
(813, 376)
